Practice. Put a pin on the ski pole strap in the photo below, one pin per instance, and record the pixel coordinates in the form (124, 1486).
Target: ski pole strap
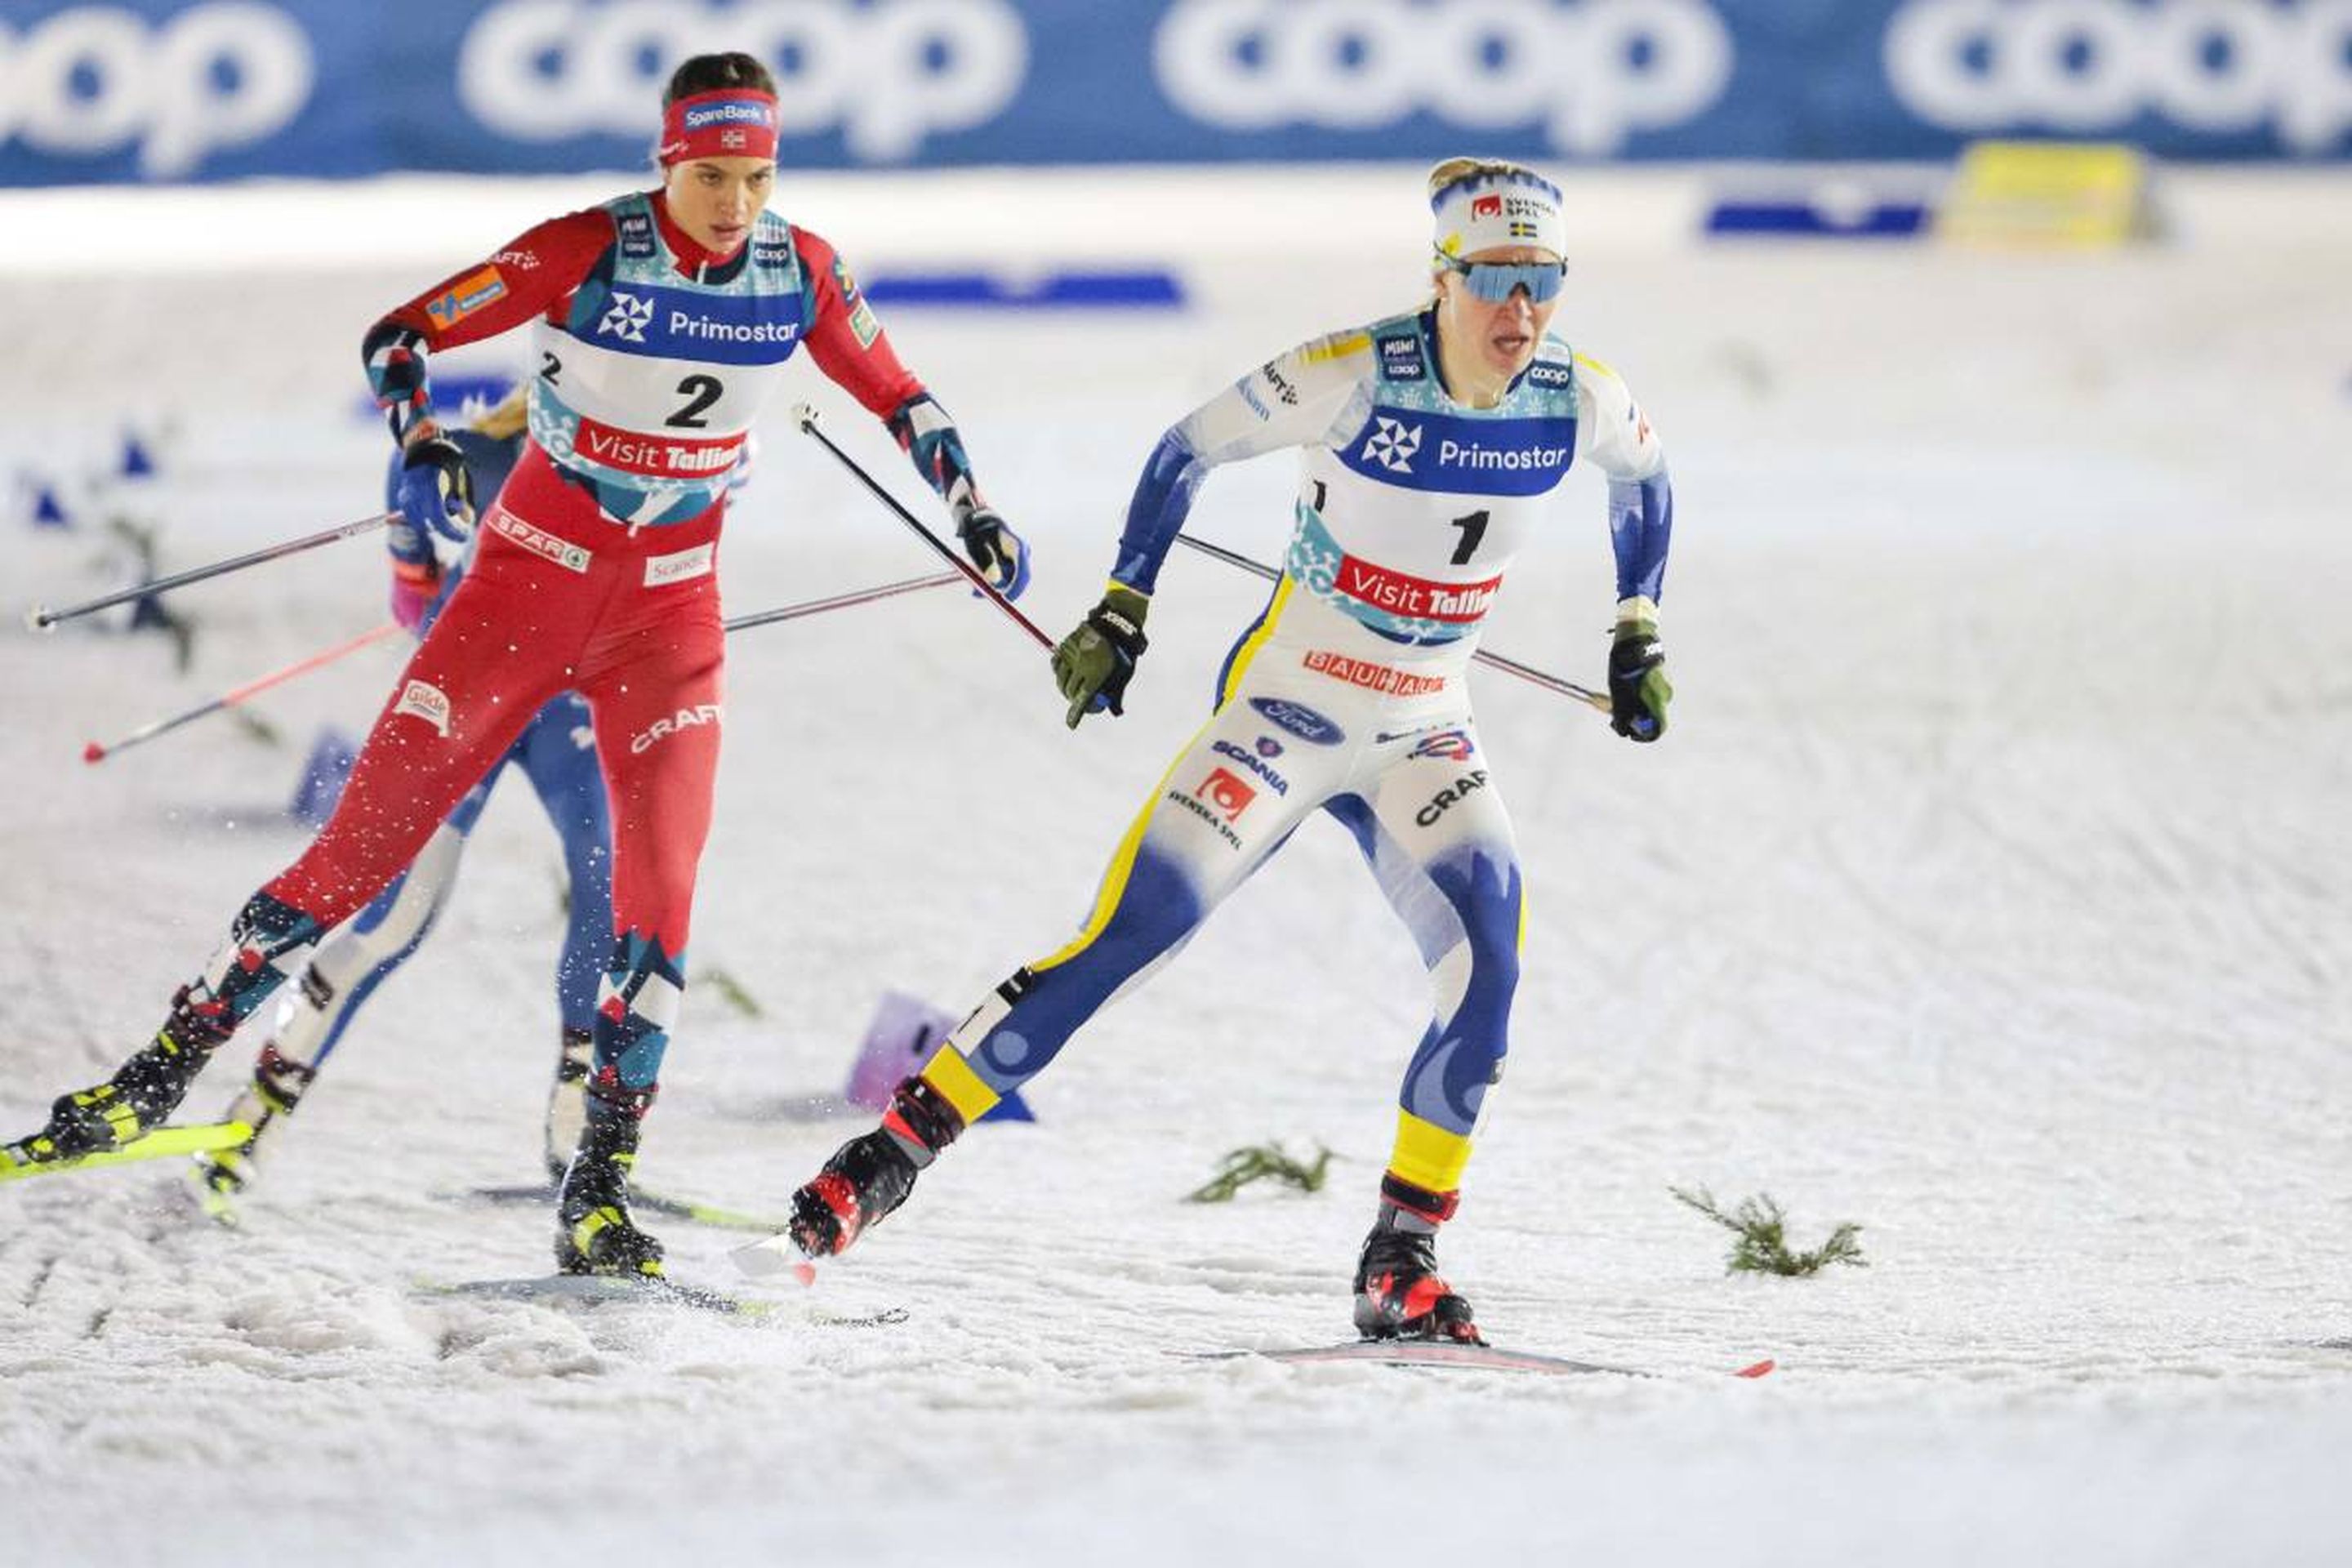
(1527, 672)
(40, 617)
(804, 416)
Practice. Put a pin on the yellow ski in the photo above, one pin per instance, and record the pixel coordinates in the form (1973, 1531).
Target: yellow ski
(162, 1144)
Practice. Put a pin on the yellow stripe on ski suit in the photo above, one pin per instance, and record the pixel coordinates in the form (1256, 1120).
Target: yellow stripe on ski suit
(1427, 1155)
(948, 1072)
(1122, 860)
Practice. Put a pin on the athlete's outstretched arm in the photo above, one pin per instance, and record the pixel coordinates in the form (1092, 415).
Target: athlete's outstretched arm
(1618, 437)
(851, 348)
(530, 274)
(1289, 401)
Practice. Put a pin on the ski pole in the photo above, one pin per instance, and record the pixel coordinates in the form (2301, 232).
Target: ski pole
(94, 753)
(1527, 672)
(40, 617)
(838, 602)
(804, 416)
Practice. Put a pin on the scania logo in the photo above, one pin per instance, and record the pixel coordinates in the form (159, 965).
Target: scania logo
(1589, 72)
(1391, 444)
(628, 317)
(887, 74)
(2080, 66)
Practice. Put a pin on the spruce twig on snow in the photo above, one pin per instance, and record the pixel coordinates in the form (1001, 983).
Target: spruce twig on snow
(1258, 1162)
(1762, 1243)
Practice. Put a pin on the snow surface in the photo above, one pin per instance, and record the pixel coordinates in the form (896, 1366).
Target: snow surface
(1989, 891)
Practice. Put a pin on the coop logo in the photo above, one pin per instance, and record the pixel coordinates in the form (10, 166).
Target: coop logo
(95, 79)
(627, 317)
(1392, 445)
(888, 75)
(1591, 73)
(2091, 66)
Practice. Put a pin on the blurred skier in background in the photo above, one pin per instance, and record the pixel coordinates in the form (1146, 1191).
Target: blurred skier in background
(662, 319)
(1429, 442)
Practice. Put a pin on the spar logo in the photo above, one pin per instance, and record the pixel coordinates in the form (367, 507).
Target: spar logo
(1588, 73)
(95, 79)
(1392, 445)
(888, 75)
(2095, 66)
(627, 319)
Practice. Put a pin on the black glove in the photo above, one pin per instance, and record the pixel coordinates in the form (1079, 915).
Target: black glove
(434, 491)
(1093, 664)
(1638, 688)
(995, 549)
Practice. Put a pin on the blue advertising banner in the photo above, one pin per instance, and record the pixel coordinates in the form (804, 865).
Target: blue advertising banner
(213, 89)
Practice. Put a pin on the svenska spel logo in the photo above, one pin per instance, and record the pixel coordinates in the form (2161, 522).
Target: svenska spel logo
(1224, 789)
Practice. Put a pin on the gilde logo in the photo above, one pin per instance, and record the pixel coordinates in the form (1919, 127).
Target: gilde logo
(94, 80)
(2082, 66)
(888, 73)
(1591, 72)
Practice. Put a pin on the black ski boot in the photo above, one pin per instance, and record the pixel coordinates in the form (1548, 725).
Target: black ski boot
(1400, 1295)
(220, 1174)
(870, 1176)
(567, 1101)
(140, 1097)
(594, 1234)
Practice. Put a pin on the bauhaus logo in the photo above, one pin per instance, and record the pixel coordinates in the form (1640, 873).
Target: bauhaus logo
(94, 80)
(2092, 66)
(887, 74)
(1591, 73)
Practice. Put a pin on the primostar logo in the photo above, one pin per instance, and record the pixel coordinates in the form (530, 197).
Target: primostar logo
(1392, 444)
(626, 317)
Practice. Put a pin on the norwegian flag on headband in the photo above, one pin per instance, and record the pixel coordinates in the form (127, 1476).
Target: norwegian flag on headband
(733, 123)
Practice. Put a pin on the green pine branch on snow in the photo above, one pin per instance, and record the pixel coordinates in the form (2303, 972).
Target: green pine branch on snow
(1261, 1161)
(1761, 1246)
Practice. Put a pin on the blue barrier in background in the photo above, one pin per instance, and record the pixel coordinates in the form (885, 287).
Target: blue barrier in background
(207, 90)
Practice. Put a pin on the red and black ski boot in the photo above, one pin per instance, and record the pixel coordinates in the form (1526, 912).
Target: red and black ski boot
(1400, 1295)
(870, 1176)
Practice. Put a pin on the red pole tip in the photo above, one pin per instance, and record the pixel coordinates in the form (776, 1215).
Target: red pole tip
(93, 753)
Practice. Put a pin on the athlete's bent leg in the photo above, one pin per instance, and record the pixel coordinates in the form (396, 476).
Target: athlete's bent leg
(1213, 819)
(558, 753)
(312, 1014)
(654, 688)
(467, 689)
(1440, 844)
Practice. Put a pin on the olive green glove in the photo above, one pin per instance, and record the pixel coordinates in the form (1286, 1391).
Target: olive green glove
(1638, 688)
(1093, 663)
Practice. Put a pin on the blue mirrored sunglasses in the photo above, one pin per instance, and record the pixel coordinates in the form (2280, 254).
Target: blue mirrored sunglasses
(1496, 282)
